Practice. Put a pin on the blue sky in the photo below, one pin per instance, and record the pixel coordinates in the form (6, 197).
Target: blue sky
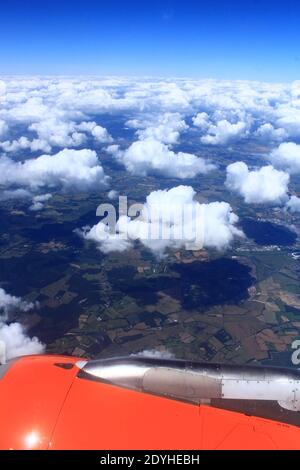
(250, 39)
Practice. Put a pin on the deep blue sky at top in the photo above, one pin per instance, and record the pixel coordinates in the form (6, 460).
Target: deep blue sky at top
(246, 39)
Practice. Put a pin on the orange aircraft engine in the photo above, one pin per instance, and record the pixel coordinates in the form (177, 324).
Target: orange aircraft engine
(58, 402)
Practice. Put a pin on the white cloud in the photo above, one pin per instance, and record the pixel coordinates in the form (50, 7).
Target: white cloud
(170, 219)
(269, 133)
(55, 132)
(13, 335)
(219, 225)
(155, 354)
(293, 204)
(38, 202)
(23, 194)
(106, 241)
(68, 169)
(42, 197)
(58, 133)
(134, 124)
(23, 143)
(113, 194)
(152, 154)
(287, 157)
(145, 157)
(17, 343)
(288, 116)
(166, 128)
(99, 133)
(25, 110)
(36, 207)
(9, 303)
(201, 120)
(224, 132)
(266, 185)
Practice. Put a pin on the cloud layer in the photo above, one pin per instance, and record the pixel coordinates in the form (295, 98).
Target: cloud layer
(43, 115)
(54, 110)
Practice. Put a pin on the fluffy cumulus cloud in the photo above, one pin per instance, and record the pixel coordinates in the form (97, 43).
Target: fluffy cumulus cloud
(149, 156)
(164, 128)
(13, 335)
(23, 143)
(265, 185)
(106, 240)
(99, 133)
(68, 169)
(16, 341)
(267, 132)
(287, 157)
(201, 120)
(293, 204)
(170, 219)
(289, 118)
(224, 132)
(39, 201)
(57, 133)
(9, 303)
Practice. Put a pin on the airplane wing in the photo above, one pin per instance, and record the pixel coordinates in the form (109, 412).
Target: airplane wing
(58, 402)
